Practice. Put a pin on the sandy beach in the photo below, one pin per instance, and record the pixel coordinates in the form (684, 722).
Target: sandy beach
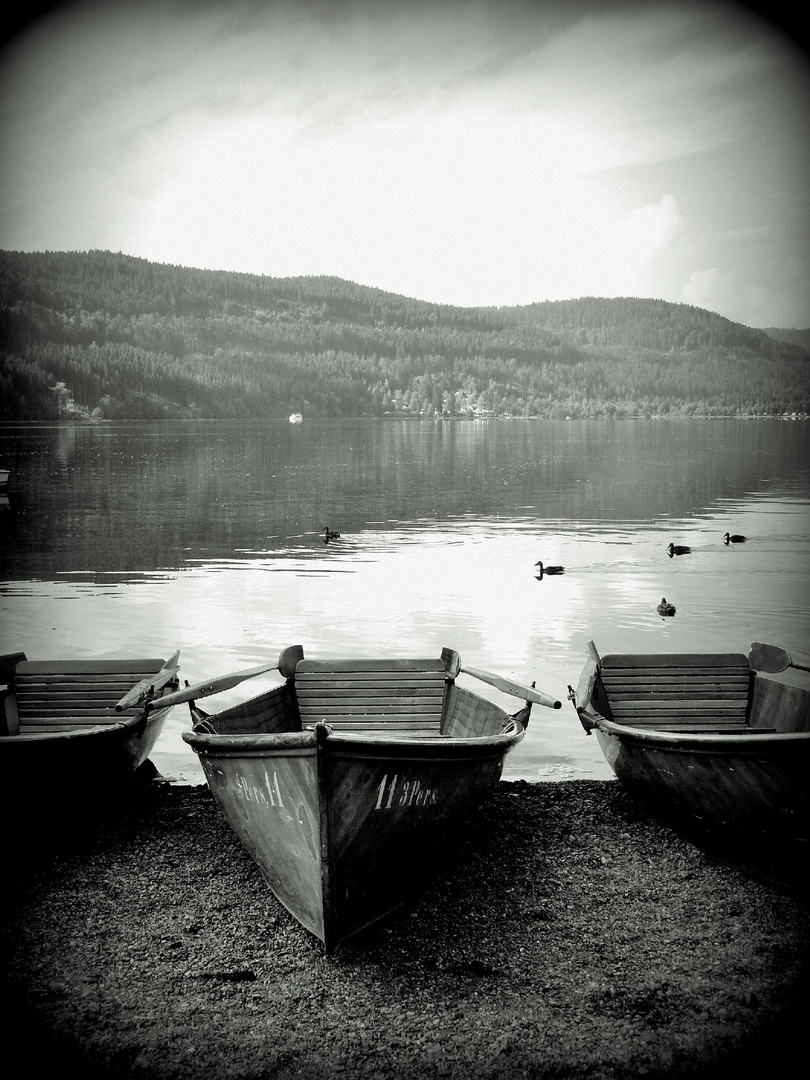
(568, 936)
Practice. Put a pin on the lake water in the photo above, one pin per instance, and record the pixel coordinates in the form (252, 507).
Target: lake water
(139, 539)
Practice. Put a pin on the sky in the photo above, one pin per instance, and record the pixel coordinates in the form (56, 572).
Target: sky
(467, 152)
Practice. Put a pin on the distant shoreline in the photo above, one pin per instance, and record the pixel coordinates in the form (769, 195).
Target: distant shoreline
(89, 421)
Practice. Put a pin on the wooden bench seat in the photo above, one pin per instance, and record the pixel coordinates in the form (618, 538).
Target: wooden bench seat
(397, 697)
(58, 696)
(678, 691)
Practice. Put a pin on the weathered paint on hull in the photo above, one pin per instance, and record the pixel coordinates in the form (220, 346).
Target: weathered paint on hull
(391, 812)
(745, 787)
(267, 791)
(344, 830)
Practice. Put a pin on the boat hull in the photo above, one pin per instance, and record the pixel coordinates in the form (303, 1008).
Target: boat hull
(743, 792)
(751, 787)
(347, 782)
(345, 829)
(118, 749)
(73, 735)
(392, 812)
(49, 782)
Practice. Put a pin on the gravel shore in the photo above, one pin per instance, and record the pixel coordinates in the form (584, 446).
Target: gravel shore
(569, 936)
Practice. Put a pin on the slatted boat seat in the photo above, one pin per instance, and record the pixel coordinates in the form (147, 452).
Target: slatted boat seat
(53, 696)
(678, 691)
(403, 697)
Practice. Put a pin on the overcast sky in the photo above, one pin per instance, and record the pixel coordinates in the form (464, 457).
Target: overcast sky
(456, 151)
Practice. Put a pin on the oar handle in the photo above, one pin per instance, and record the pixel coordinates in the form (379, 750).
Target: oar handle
(527, 693)
(146, 686)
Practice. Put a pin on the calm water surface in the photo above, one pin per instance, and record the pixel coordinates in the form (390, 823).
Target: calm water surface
(126, 539)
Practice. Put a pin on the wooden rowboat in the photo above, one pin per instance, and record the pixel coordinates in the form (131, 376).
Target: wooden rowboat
(711, 744)
(73, 732)
(347, 781)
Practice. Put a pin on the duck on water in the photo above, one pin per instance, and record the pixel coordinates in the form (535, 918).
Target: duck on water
(541, 570)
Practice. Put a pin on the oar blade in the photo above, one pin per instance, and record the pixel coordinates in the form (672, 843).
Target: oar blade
(289, 659)
(452, 662)
(768, 658)
(593, 652)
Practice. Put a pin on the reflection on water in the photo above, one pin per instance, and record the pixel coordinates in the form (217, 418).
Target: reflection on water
(208, 537)
(140, 497)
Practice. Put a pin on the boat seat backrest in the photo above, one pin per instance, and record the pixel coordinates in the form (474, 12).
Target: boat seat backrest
(678, 691)
(404, 696)
(60, 695)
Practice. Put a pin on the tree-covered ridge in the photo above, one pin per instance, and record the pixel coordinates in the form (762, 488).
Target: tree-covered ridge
(791, 335)
(104, 334)
(652, 324)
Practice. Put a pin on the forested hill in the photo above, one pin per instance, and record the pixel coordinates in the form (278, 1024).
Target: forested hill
(794, 337)
(111, 336)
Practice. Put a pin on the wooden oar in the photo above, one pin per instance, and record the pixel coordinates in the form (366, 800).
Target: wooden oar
(148, 686)
(770, 658)
(452, 663)
(286, 665)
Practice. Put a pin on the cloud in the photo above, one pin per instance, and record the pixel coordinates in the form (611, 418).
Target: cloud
(779, 298)
(582, 68)
(700, 287)
(470, 152)
(651, 229)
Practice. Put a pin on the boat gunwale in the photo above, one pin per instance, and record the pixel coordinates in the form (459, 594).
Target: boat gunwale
(271, 740)
(123, 724)
(118, 728)
(711, 740)
(351, 738)
(283, 741)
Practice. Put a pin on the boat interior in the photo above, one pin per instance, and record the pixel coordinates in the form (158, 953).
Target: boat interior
(710, 693)
(399, 698)
(64, 697)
